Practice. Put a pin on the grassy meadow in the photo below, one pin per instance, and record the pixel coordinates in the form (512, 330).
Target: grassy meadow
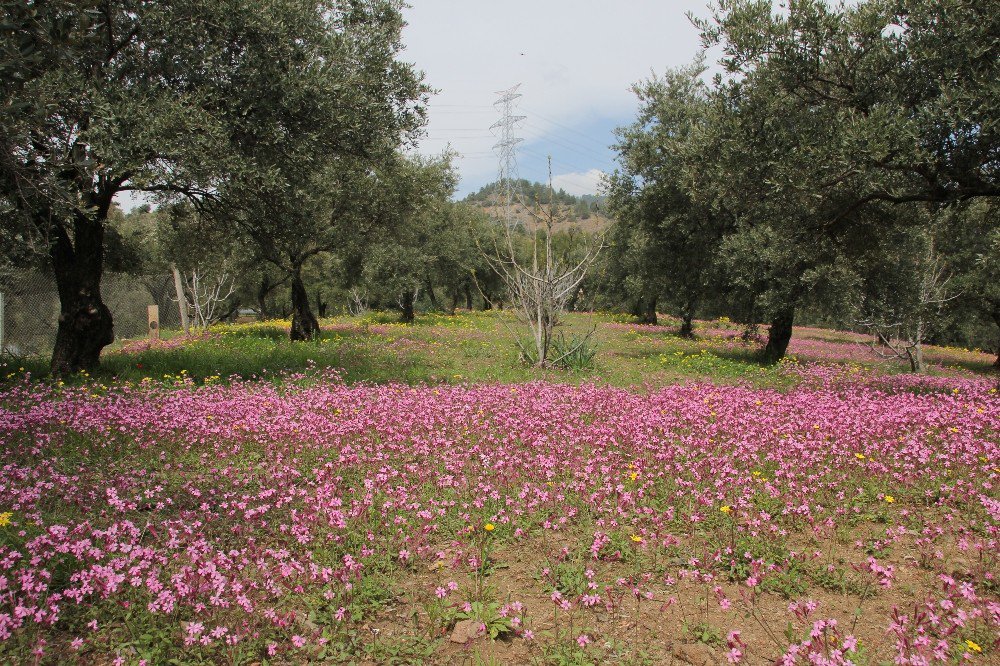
(480, 347)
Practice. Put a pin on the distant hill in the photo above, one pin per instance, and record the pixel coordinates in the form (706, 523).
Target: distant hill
(585, 212)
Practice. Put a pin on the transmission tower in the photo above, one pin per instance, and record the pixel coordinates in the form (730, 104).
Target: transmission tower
(507, 190)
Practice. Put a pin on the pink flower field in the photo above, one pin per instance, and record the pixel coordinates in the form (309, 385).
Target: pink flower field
(848, 520)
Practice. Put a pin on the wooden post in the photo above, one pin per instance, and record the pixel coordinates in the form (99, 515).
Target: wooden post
(153, 311)
(181, 299)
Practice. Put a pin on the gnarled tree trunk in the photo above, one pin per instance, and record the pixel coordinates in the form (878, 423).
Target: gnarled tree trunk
(649, 316)
(85, 324)
(996, 318)
(779, 335)
(406, 305)
(687, 318)
(429, 287)
(647, 311)
(321, 305)
(687, 325)
(304, 323)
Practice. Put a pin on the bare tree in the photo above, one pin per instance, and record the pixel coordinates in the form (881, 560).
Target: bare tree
(540, 285)
(900, 332)
(358, 301)
(205, 294)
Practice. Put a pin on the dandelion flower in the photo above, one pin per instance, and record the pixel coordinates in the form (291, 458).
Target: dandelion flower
(489, 527)
(890, 499)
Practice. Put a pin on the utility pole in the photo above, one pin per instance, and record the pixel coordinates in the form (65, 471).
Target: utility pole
(507, 192)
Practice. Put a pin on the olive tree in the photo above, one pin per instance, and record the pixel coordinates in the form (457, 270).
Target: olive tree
(177, 99)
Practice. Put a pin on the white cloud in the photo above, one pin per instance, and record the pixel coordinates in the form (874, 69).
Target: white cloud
(576, 60)
(587, 182)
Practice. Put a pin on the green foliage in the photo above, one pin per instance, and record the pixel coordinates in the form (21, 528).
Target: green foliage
(662, 240)
(399, 650)
(703, 632)
(568, 578)
(433, 238)
(531, 192)
(488, 613)
(569, 352)
(567, 653)
(705, 362)
(574, 352)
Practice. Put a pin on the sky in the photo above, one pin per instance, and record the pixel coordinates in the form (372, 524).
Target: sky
(575, 60)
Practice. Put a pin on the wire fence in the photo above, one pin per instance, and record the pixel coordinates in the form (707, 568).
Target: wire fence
(30, 314)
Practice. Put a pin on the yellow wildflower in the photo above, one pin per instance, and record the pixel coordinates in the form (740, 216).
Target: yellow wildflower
(489, 527)
(890, 499)
(859, 456)
(633, 476)
(725, 509)
(972, 645)
(636, 538)
(5, 518)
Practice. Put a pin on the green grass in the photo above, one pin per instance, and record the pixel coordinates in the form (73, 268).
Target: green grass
(465, 347)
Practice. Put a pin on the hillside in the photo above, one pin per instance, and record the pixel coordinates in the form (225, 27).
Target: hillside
(584, 212)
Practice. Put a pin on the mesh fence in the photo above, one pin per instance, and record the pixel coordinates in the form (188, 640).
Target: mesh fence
(31, 308)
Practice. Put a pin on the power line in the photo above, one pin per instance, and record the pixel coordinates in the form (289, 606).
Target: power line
(556, 123)
(569, 165)
(582, 152)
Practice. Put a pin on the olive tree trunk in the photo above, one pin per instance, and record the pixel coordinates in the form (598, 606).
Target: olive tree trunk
(996, 319)
(85, 324)
(429, 287)
(645, 310)
(779, 335)
(304, 323)
(687, 325)
(406, 307)
(687, 319)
